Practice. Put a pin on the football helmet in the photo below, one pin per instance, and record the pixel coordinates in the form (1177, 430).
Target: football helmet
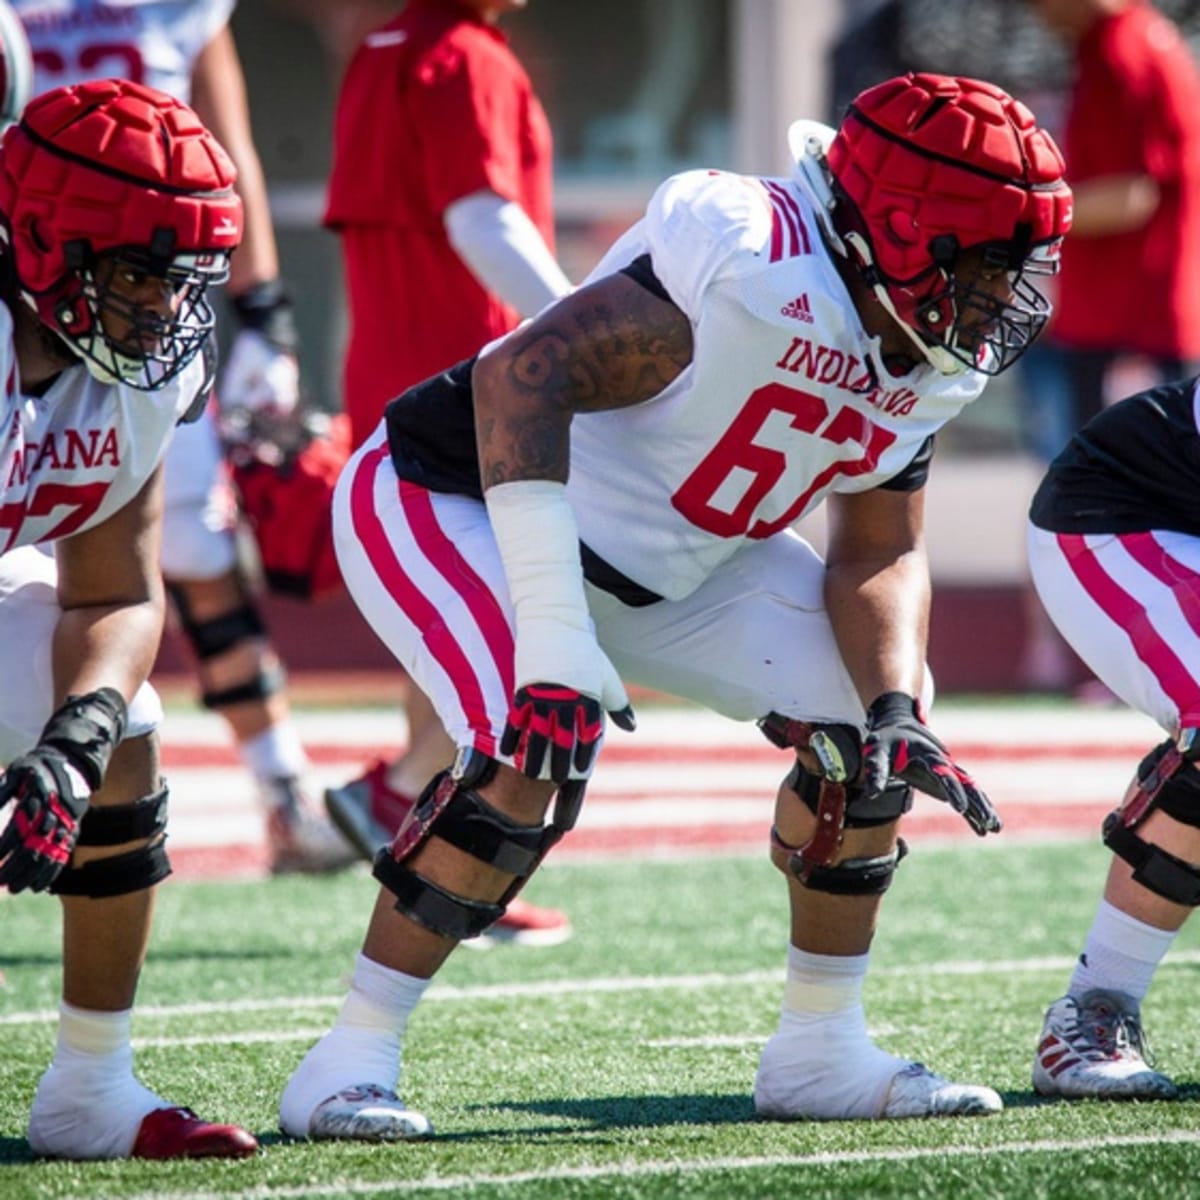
(117, 210)
(950, 201)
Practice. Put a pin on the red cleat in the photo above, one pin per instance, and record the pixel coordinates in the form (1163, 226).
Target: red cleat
(179, 1133)
(526, 924)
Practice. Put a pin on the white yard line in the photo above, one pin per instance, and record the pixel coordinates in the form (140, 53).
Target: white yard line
(652, 1169)
(447, 993)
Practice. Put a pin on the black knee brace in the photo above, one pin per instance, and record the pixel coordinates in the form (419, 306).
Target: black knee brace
(220, 634)
(840, 807)
(217, 634)
(120, 874)
(1167, 779)
(261, 686)
(451, 809)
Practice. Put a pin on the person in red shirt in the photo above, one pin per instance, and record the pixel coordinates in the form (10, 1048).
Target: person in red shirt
(441, 195)
(1130, 282)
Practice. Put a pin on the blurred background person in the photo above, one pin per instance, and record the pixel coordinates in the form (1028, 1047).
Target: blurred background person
(1130, 282)
(186, 48)
(441, 196)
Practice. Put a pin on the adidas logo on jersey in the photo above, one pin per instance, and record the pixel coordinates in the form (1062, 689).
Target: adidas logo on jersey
(799, 309)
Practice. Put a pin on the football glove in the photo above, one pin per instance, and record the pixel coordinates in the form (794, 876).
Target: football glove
(259, 376)
(50, 797)
(261, 370)
(553, 732)
(899, 745)
(51, 785)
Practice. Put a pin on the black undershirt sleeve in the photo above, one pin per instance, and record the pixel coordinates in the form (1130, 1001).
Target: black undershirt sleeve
(641, 270)
(914, 477)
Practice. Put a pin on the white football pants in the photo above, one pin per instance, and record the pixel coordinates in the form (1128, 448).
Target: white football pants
(1129, 606)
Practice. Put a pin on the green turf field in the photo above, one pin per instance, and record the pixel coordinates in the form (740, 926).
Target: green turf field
(620, 1065)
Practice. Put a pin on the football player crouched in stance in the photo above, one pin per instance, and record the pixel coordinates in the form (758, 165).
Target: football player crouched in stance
(117, 211)
(609, 492)
(1114, 552)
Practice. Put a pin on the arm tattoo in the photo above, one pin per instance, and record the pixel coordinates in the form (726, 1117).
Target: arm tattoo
(601, 351)
(610, 345)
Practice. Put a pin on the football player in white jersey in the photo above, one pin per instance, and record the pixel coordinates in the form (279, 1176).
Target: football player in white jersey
(186, 49)
(117, 211)
(608, 492)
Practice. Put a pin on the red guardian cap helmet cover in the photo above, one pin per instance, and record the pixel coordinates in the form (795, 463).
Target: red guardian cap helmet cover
(928, 167)
(113, 177)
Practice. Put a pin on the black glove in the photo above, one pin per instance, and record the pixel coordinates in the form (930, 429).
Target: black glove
(899, 745)
(50, 800)
(548, 719)
(49, 804)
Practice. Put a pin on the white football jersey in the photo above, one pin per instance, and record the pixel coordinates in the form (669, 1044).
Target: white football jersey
(155, 42)
(786, 399)
(71, 458)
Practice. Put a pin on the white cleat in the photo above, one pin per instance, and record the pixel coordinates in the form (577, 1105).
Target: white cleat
(918, 1092)
(367, 1113)
(299, 839)
(1095, 1047)
(807, 1079)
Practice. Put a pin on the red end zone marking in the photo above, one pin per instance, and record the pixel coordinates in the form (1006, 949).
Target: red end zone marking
(213, 754)
(1041, 821)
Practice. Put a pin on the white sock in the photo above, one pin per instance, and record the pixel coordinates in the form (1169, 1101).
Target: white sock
(819, 985)
(276, 753)
(363, 1047)
(822, 1062)
(88, 1103)
(83, 1031)
(1121, 954)
(380, 998)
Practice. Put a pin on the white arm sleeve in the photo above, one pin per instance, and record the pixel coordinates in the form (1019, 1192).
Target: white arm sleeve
(505, 251)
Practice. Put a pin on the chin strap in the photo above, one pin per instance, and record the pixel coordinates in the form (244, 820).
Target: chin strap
(938, 357)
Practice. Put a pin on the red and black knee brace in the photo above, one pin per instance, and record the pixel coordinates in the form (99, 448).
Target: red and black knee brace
(452, 809)
(838, 803)
(1167, 779)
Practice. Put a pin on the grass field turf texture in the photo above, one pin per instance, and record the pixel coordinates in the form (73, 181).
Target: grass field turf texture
(620, 1064)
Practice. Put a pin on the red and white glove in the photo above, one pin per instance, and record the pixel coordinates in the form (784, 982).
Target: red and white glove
(50, 788)
(261, 371)
(49, 798)
(258, 376)
(564, 680)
